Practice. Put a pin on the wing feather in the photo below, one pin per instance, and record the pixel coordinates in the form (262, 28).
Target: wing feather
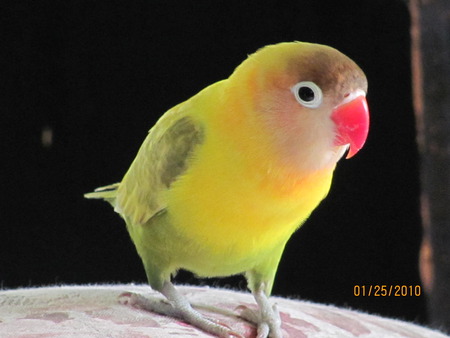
(162, 158)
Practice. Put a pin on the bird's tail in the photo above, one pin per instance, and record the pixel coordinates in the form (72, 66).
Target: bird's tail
(107, 193)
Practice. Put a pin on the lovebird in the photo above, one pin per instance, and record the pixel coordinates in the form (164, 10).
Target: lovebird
(224, 179)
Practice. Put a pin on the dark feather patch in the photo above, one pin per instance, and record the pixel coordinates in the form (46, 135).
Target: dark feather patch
(180, 139)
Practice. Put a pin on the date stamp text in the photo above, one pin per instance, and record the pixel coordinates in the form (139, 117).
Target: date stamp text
(380, 290)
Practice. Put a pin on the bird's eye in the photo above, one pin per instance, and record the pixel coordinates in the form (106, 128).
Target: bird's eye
(308, 94)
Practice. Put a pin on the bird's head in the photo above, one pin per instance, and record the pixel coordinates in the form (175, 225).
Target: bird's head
(310, 99)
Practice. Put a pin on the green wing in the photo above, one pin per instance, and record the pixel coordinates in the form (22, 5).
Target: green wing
(163, 156)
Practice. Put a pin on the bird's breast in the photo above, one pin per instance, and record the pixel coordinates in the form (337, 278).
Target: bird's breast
(234, 205)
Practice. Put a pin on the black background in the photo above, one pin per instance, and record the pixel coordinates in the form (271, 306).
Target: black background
(100, 73)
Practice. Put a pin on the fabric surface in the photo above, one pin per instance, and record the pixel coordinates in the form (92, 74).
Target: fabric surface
(101, 311)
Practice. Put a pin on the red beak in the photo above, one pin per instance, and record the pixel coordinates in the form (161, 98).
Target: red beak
(352, 122)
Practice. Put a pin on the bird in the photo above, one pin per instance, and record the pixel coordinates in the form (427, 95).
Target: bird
(223, 179)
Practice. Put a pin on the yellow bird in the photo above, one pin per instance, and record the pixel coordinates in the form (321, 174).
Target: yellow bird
(223, 179)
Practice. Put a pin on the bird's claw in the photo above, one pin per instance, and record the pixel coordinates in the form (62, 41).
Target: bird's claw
(268, 322)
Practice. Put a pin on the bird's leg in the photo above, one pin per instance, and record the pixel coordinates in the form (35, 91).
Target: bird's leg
(270, 317)
(267, 319)
(180, 307)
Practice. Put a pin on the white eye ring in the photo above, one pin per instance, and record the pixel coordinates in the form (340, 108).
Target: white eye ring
(308, 94)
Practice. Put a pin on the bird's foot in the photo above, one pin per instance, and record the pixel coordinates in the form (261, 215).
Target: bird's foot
(267, 319)
(178, 307)
(160, 306)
